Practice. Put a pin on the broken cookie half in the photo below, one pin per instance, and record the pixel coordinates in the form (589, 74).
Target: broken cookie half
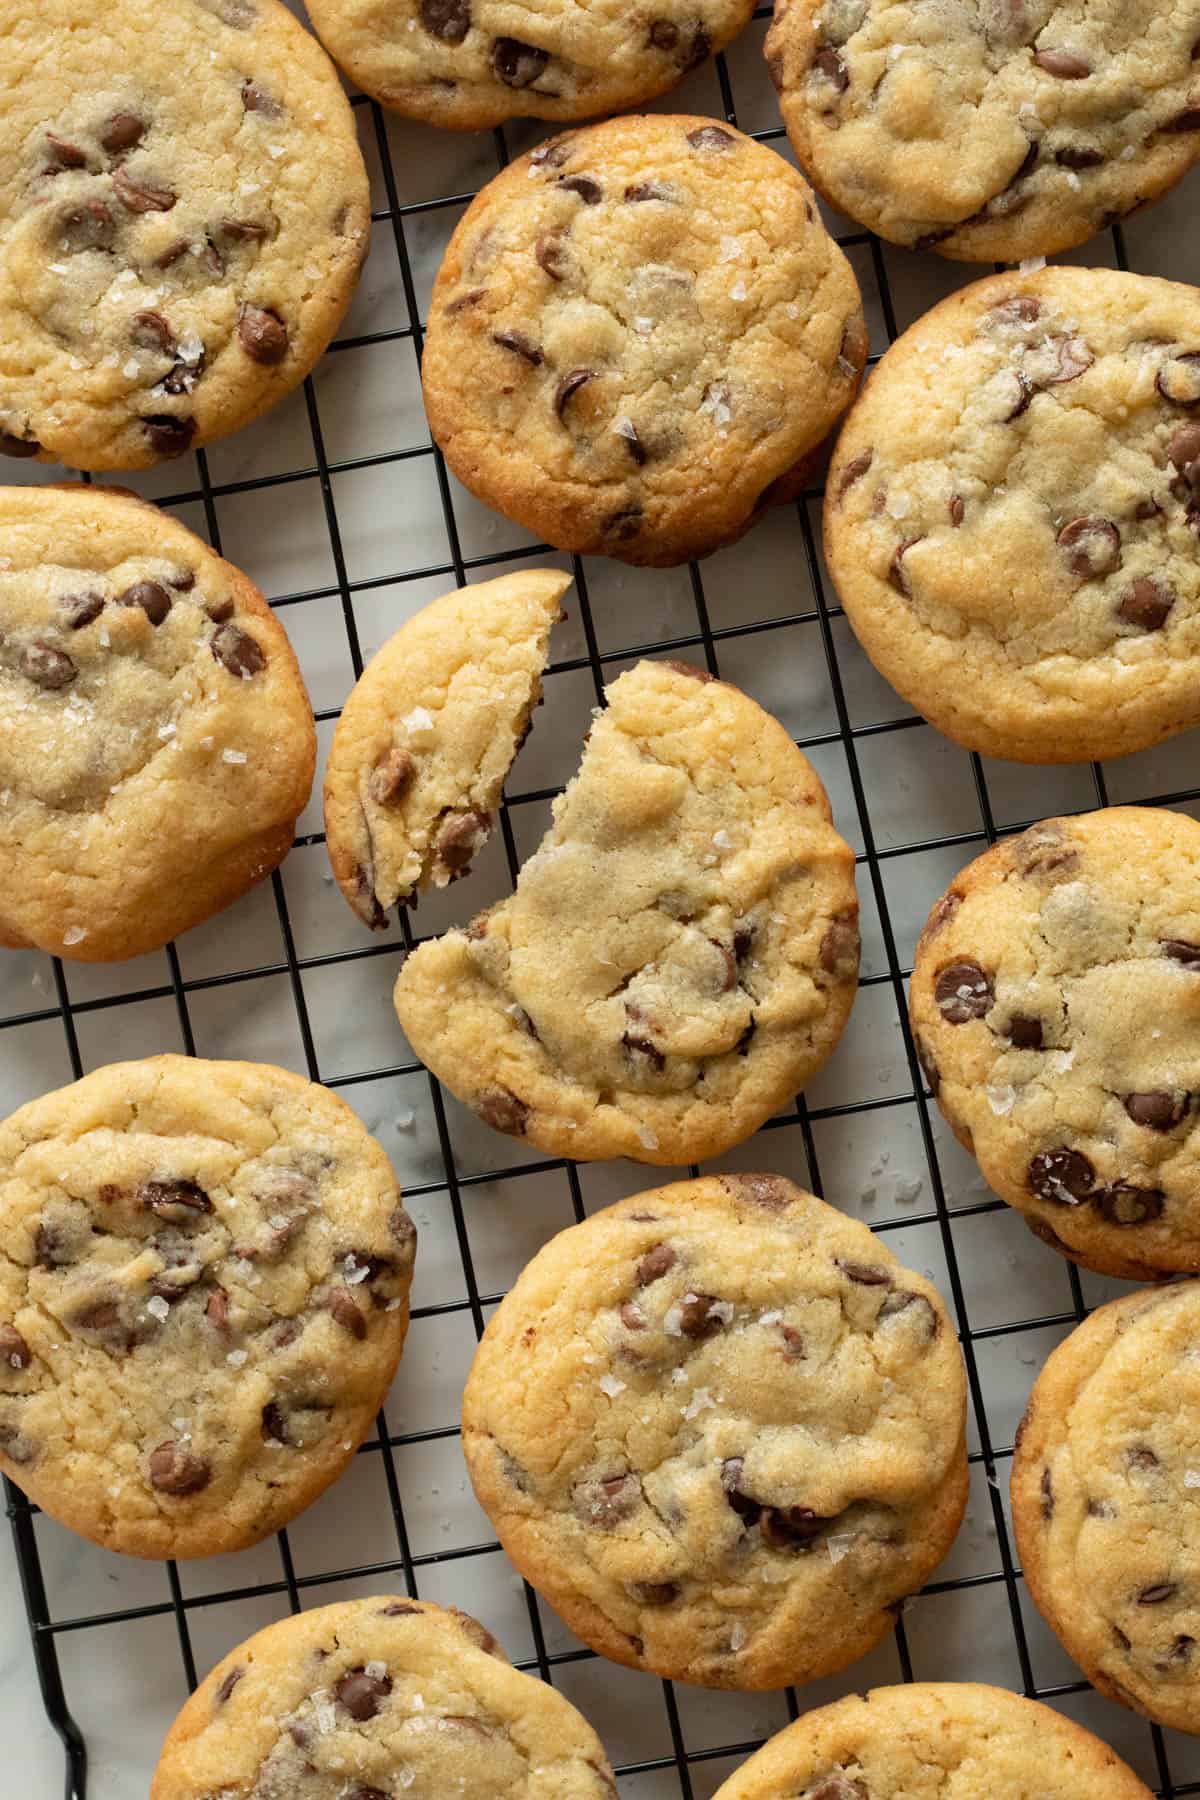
(680, 955)
(428, 735)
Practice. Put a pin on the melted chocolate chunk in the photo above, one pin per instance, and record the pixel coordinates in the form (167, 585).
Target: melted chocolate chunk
(516, 64)
(361, 1694)
(449, 20)
(238, 652)
(153, 599)
(963, 991)
(1063, 1176)
(263, 335)
(503, 1111)
(173, 1469)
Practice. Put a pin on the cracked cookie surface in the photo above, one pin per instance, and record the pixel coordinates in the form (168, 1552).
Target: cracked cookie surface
(428, 735)
(713, 1418)
(1055, 1001)
(639, 334)
(681, 953)
(989, 130)
(156, 740)
(470, 64)
(183, 216)
(934, 1740)
(1013, 514)
(204, 1275)
(1105, 1485)
(373, 1698)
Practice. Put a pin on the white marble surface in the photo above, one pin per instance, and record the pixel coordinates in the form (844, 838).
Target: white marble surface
(125, 1681)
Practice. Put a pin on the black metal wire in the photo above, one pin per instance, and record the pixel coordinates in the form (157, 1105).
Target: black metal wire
(704, 644)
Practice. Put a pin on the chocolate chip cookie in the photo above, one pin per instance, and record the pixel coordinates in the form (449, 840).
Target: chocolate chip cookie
(712, 1420)
(1013, 514)
(156, 741)
(183, 216)
(681, 953)
(934, 1740)
(428, 735)
(1104, 1500)
(989, 130)
(374, 1698)
(456, 62)
(639, 334)
(1055, 1001)
(204, 1275)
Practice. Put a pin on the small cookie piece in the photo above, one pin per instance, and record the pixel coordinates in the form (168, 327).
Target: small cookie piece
(428, 735)
(183, 217)
(456, 63)
(989, 130)
(639, 335)
(681, 953)
(1055, 1003)
(373, 1698)
(1105, 1482)
(934, 1740)
(156, 741)
(720, 1428)
(1012, 516)
(204, 1275)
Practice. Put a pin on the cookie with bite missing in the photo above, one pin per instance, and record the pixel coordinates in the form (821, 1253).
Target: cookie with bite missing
(1055, 1002)
(639, 336)
(714, 1418)
(1012, 517)
(428, 735)
(373, 1698)
(204, 1277)
(156, 740)
(1104, 1500)
(184, 212)
(681, 953)
(930, 1740)
(990, 130)
(472, 64)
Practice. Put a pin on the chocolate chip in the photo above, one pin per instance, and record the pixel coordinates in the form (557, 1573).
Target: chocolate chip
(840, 1787)
(503, 1111)
(625, 524)
(77, 610)
(45, 666)
(551, 253)
(174, 1470)
(518, 342)
(608, 1501)
(1157, 1110)
(1078, 156)
(897, 575)
(449, 20)
(517, 64)
(865, 1274)
(66, 155)
(589, 191)
(1155, 1596)
(168, 435)
(16, 1446)
(570, 385)
(642, 1046)
(1047, 1492)
(237, 651)
(1181, 951)
(654, 1593)
(227, 1685)
(828, 63)
(361, 1694)
(626, 430)
(177, 1201)
(1063, 63)
(1018, 309)
(963, 991)
(461, 838)
(1074, 360)
(658, 1261)
(790, 1527)
(153, 599)
(957, 509)
(1180, 1651)
(461, 302)
(1124, 1204)
(273, 1424)
(263, 335)
(552, 154)
(840, 945)
(122, 132)
(20, 447)
(794, 1347)
(1024, 1032)
(1064, 1176)
(143, 195)
(902, 1302)
(1092, 547)
(150, 331)
(216, 1309)
(1023, 395)
(711, 137)
(697, 1319)
(1187, 120)
(1179, 380)
(771, 1191)
(663, 35)
(854, 471)
(365, 901)
(392, 777)
(632, 1316)
(244, 231)
(14, 1351)
(942, 913)
(1142, 1458)
(346, 1313)
(400, 1609)
(640, 191)
(742, 1503)
(1146, 604)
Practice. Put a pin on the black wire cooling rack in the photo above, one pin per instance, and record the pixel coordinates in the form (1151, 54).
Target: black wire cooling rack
(395, 219)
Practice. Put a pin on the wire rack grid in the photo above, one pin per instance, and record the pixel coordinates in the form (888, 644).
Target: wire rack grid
(344, 484)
